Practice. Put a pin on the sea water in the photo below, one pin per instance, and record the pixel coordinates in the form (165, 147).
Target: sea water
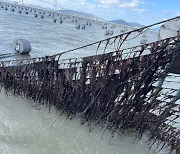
(25, 129)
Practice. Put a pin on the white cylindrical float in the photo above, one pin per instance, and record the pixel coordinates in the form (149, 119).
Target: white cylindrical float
(21, 46)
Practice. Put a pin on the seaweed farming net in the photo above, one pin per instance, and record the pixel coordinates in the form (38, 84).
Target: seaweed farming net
(120, 90)
(106, 89)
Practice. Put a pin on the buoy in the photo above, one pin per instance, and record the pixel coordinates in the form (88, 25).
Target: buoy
(107, 32)
(78, 26)
(54, 20)
(21, 46)
(83, 27)
(35, 15)
(60, 21)
(111, 32)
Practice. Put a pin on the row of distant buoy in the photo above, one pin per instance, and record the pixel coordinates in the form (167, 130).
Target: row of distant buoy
(39, 13)
(57, 17)
(104, 27)
(109, 32)
(107, 27)
(81, 26)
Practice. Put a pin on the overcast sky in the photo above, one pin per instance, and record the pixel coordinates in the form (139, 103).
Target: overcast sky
(141, 11)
